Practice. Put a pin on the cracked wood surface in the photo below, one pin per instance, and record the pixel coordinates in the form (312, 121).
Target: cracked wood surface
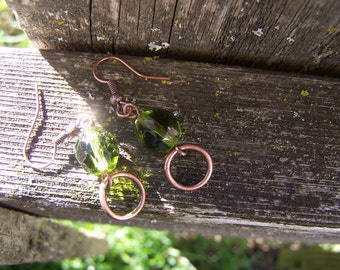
(293, 35)
(274, 139)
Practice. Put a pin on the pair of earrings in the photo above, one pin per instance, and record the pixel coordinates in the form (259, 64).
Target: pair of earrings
(97, 149)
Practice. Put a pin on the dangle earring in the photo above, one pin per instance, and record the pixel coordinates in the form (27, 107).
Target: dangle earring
(157, 129)
(97, 151)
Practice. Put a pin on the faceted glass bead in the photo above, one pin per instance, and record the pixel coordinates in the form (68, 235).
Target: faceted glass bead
(158, 129)
(97, 150)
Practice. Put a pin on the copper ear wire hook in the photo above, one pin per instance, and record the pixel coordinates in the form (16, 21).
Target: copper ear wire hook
(72, 130)
(124, 109)
(37, 110)
(125, 64)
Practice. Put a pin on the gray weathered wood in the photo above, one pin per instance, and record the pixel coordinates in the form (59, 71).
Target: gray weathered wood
(293, 35)
(274, 139)
(25, 238)
(61, 24)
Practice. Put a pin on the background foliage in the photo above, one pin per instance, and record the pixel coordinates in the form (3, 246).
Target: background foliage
(137, 249)
(10, 33)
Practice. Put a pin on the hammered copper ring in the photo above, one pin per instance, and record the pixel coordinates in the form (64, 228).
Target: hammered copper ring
(104, 185)
(181, 150)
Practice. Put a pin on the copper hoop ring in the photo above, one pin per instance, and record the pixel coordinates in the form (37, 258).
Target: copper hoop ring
(104, 185)
(181, 150)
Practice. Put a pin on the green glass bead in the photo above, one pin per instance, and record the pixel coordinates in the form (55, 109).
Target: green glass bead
(97, 150)
(158, 129)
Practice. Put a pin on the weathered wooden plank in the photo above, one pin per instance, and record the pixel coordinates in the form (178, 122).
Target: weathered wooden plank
(132, 27)
(295, 36)
(291, 35)
(26, 239)
(65, 25)
(162, 24)
(274, 139)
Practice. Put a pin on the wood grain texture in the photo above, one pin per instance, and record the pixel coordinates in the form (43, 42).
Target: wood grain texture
(65, 25)
(301, 36)
(274, 139)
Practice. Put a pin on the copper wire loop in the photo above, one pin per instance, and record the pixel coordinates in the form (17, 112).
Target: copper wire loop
(106, 184)
(127, 110)
(181, 150)
(84, 121)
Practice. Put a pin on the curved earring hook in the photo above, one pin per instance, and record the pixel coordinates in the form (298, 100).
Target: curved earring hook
(95, 67)
(37, 110)
(83, 121)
